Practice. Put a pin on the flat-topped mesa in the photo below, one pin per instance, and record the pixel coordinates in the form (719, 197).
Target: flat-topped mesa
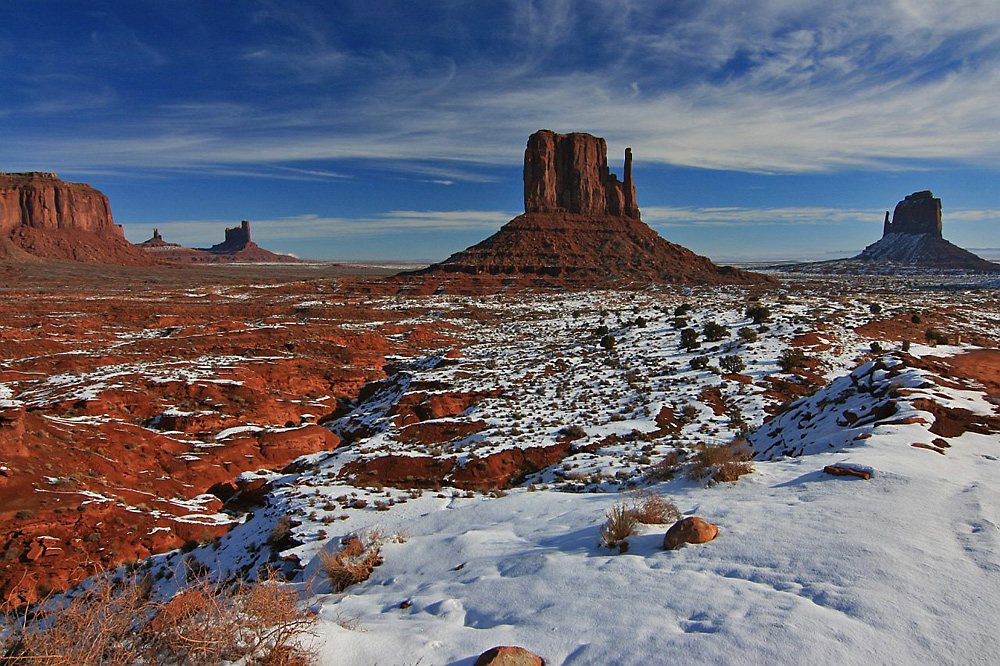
(40, 200)
(918, 213)
(568, 173)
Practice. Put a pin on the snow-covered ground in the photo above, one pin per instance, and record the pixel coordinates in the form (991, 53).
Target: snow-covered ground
(902, 568)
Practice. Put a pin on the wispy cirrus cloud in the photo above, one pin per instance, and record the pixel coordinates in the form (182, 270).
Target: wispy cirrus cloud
(778, 87)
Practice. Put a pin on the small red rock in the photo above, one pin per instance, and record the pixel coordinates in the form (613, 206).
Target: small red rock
(689, 530)
(509, 656)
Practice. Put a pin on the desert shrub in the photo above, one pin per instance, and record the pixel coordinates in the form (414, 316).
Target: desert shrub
(791, 358)
(640, 322)
(747, 334)
(608, 342)
(118, 622)
(935, 337)
(732, 364)
(758, 314)
(699, 362)
(24, 514)
(281, 531)
(573, 432)
(354, 562)
(652, 509)
(906, 345)
(689, 339)
(679, 323)
(915, 319)
(602, 330)
(682, 310)
(619, 525)
(664, 469)
(714, 331)
(875, 308)
(722, 463)
(875, 347)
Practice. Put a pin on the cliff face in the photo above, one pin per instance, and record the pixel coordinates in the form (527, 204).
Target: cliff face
(581, 228)
(43, 201)
(918, 213)
(568, 173)
(43, 217)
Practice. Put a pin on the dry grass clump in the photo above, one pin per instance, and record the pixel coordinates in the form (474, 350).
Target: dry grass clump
(665, 468)
(652, 509)
(721, 463)
(118, 623)
(354, 562)
(619, 525)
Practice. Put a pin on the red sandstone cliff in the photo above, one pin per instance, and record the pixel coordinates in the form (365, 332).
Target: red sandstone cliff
(42, 216)
(581, 227)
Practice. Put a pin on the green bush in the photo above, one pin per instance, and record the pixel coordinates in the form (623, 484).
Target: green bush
(732, 364)
(689, 339)
(747, 334)
(682, 310)
(758, 313)
(714, 332)
(791, 358)
(699, 362)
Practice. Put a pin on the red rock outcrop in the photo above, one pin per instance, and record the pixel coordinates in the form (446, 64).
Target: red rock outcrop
(581, 229)
(42, 216)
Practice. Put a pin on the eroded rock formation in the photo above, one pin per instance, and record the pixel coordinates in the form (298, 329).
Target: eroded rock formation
(237, 247)
(918, 213)
(913, 239)
(42, 216)
(580, 229)
(568, 173)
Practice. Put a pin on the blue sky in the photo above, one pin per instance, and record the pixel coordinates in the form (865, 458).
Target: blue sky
(396, 130)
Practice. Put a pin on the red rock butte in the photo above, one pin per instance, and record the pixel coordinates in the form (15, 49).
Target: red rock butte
(43, 217)
(913, 239)
(581, 228)
(236, 248)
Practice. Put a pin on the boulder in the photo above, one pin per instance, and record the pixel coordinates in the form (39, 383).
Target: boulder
(689, 530)
(505, 655)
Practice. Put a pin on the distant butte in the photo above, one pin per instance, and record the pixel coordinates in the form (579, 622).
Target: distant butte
(236, 248)
(581, 228)
(43, 217)
(913, 238)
